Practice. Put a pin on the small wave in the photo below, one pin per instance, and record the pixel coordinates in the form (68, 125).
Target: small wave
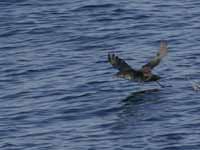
(94, 7)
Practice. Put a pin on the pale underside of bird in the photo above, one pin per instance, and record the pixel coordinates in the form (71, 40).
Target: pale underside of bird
(144, 74)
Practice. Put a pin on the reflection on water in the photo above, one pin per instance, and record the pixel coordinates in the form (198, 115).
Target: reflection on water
(140, 95)
(138, 106)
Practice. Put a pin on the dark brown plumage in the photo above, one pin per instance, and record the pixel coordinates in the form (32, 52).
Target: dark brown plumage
(145, 73)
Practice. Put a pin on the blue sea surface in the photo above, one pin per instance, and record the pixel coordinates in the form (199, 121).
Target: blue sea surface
(57, 90)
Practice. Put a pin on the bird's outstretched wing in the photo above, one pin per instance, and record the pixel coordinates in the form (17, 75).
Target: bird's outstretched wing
(156, 60)
(118, 63)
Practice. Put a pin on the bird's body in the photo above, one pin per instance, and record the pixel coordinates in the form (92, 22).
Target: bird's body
(137, 75)
(142, 75)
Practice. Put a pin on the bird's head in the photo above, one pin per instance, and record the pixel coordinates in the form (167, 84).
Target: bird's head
(148, 75)
(146, 71)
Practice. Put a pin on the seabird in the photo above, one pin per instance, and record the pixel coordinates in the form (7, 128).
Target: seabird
(144, 74)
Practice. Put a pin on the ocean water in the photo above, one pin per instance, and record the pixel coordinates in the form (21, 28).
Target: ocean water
(57, 88)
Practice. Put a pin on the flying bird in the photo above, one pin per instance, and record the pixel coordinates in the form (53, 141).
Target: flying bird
(144, 74)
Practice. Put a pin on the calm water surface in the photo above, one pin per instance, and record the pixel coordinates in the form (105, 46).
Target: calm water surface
(58, 91)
